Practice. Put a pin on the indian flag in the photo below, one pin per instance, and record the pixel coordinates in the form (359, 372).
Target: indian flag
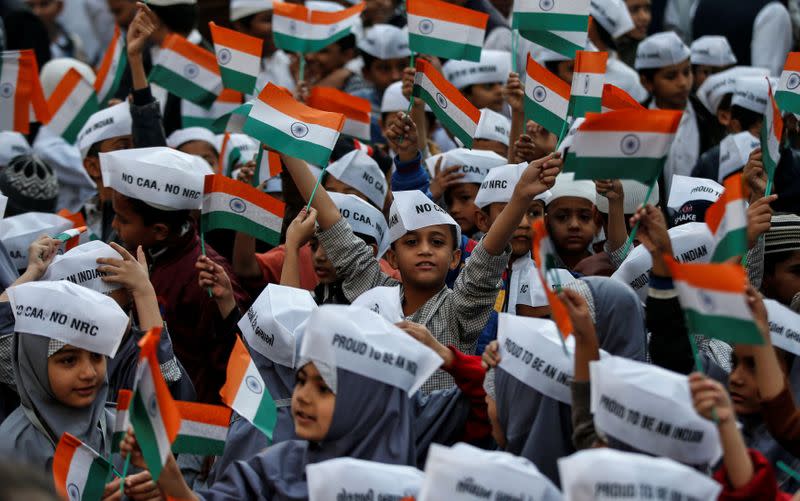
(356, 110)
(233, 121)
(203, 429)
(586, 93)
(197, 116)
(727, 220)
(111, 69)
(70, 237)
(564, 15)
(771, 133)
(153, 414)
(238, 56)
(79, 472)
(229, 156)
(188, 71)
(544, 254)
(71, 104)
(268, 165)
(624, 144)
(299, 29)
(245, 392)
(234, 205)
(445, 30)
(615, 99)
(121, 420)
(38, 110)
(787, 95)
(452, 109)
(566, 43)
(293, 128)
(16, 74)
(713, 300)
(546, 98)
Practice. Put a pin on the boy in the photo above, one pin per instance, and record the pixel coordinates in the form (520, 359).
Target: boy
(481, 82)
(384, 49)
(358, 174)
(154, 190)
(196, 141)
(641, 13)
(782, 260)
(710, 54)
(424, 247)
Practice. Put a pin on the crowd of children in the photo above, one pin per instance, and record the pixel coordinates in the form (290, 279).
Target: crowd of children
(424, 317)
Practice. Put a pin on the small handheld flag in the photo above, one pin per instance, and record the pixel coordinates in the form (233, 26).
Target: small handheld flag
(268, 165)
(71, 104)
(546, 98)
(727, 220)
(121, 420)
(545, 256)
(234, 205)
(79, 472)
(587, 83)
(356, 110)
(20, 90)
(193, 115)
(771, 134)
(558, 26)
(615, 99)
(299, 29)
(787, 95)
(70, 237)
(111, 69)
(238, 57)
(445, 30)
(203, 429)
(188, 71)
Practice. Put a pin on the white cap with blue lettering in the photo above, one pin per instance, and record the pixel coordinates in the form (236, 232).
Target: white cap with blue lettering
(79, 265)
(412, 210)
(712, 50)
(361, 172)
(363, 218)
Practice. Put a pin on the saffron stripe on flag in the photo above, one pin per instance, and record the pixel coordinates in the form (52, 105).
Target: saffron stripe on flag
(238, 56)
(71, 104)
(445, 30)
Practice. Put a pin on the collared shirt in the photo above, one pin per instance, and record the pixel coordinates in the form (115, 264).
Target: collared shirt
(455, 316)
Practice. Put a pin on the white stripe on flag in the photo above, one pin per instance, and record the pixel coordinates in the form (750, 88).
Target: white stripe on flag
(147, 392)
(317, 134)
(203, 430)
(66, 114)
(111, 76)
(448, 31)
(176, 63)
(734, 218)
(9, 73)
(713, 302)
(453, 111)
(553, 101)
(79, 467)
(579, 7)
(247, 401)
(357, 129)
(588, 84)
(220, 201)
(239, 61)
(622, 144)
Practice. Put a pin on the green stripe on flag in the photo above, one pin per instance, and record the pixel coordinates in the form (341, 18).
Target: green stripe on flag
(295, 44)
(542, 116)
(443, 48)
(638, 169)
(734, 243)
(228, 220)
(569, 162)
(728, 329)
(236, 80)
(266, 415)
(202, 446)
(285, 143)
(551, 41)
(145, 435)
(547, 21)
(96, 480)
(206, 123)
(580, 105)
(181, 87)
(769, 163)
(70, 134)
(443, 117)
(788, 101)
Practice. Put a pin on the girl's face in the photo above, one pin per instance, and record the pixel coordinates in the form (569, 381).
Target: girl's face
(488, 95)
(76, 375)
(313, 403)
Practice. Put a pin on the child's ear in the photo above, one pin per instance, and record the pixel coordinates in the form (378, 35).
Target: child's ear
(160, 232)
(724, 117)
(374, 249)
(482, 220)
(646, 83)
(455, 259)
(391, 258)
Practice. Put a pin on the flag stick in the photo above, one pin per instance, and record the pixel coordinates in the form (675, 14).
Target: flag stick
(411, 98)
(203, 250)
(561, 135)
(783, 466)
(636, 226)
(314, 191)
(514, 49)
(768, 190)
(124, 472)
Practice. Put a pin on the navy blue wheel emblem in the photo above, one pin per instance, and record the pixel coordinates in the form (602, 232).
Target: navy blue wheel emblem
(299, 130)
(224, 56)
(191, 71)
(253, 384)
(630, 144)
(539, 93)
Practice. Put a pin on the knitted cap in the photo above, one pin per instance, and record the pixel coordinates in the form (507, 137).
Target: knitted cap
(783, 234)
(30, 185)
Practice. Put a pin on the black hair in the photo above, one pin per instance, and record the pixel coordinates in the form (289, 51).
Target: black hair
(552, 66)
(368, 239)
(606, 37)
(181, 18)
(773, 259)
(368, 59)
(747, 118)
(725, 102)
(346, 43)
(94, 150)
(648, 73)
(173, 219)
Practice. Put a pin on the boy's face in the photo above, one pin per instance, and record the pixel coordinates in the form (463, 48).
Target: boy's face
(571, 224)
(671, 85)
(488, 95)
(784, 283)
(46, 10)
(384, 72)
(313, 403)
(699, 74)
(323, 268)
(490, 145)
(327, 60)
(460, 200)
(640, 11)
(76, 376)
(201, 149)
(123, 11)
(129, 225)
(333, 185)
(260, 26)
(424, 256)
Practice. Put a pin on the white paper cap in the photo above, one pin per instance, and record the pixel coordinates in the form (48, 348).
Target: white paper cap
(114, 121)
(384, 300)
(612, 15)
(634, 197)
(385, 41)
(244, 8)
(475, 164)
(161, 177)
(412, 210)
(711, 92)
(499, 183)
(363, 218)
(494, 66)
(751, 93)
(183, 136)
(348, 478)
(167, 3)
(493, 126)
(361, 172)
(54, 70)
(712, 50)
(18, 232)
(393, 99)
(69, 313)
(79, 266)
(661, 49)
(567, 186)
(12, 144)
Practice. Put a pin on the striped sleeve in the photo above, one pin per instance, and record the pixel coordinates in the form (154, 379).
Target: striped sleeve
(755, 263)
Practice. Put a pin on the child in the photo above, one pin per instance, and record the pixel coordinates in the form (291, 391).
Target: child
(782, 260)
(394, 104)
(641, 13)
(196, 141)
(424, 248)
(493, 133)
(149, 215)
(481, 82)
(384, 49)
(356, 173)
(710, 54)
(62, 42)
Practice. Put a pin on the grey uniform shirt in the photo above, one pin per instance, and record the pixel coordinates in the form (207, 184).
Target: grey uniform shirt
(455, 317)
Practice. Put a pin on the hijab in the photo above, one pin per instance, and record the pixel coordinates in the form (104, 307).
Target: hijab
(33, 430)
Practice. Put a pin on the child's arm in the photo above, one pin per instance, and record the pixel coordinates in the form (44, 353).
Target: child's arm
(711, 401)
(514, 94)
(132, 274)
(417, 108)
(327, 212)
(40, 254)
(409, 172)
(298, 234)
(617, 232)
(212, 276)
